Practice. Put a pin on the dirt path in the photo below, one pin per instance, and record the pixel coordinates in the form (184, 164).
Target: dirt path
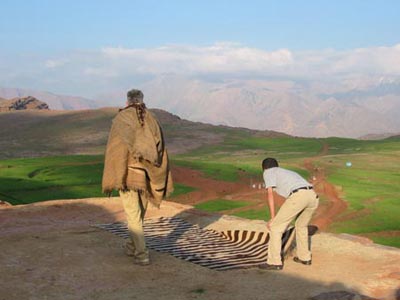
(330, 211)
(206, 188)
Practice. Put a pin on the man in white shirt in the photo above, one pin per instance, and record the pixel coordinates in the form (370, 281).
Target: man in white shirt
(300, 204)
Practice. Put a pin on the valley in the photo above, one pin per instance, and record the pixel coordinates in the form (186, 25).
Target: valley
(51, 155)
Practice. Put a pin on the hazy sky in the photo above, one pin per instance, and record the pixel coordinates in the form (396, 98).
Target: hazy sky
(90, 24)
(55, 44)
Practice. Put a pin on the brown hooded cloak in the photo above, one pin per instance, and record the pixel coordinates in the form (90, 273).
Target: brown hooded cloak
(136, 158)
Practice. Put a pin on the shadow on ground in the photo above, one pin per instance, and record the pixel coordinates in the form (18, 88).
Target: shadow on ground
(52, 251)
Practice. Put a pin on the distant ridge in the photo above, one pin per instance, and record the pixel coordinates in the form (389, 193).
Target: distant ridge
(54, 101)
(23, 103)
(380, 136)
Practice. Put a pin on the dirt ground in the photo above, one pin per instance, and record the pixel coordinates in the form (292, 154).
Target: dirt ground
(50, 250)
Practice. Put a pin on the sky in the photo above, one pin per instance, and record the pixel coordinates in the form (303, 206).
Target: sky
(76, 47)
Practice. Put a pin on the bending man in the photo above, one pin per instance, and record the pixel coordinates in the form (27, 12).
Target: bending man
(300, 204)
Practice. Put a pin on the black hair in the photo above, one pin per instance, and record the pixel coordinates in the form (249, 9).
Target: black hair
(269, 163)
(135, 96)
(135, 99)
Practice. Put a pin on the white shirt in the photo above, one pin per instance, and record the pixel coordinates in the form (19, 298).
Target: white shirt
(284, 181)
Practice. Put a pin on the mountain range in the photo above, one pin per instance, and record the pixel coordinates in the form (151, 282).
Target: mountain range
(351, 108)
(55, 101)
(309, 109)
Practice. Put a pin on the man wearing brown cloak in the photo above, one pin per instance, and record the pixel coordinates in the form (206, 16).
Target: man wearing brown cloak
(136, 164)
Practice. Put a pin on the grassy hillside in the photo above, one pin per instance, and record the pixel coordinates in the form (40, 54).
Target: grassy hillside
(39, 179)
(44, 133)
(30, 180)
(370, 186)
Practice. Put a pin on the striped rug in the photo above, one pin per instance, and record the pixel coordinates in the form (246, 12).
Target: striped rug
(226, 250)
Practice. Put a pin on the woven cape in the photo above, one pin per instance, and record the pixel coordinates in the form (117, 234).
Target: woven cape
(136, 158)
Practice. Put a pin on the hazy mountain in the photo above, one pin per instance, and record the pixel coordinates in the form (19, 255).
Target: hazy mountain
(55, 102)
(314, 109)
(351, 107)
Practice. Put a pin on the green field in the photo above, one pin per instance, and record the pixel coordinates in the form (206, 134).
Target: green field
(261, 214)
(371, 188)
(217, 205)
(39, 179)
(370, 185)
(24, 181)
(180, 189)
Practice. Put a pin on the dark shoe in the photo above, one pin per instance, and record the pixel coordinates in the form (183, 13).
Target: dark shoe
(304, 262)
(270, 267)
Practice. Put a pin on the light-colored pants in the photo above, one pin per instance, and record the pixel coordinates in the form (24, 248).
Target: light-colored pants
(135, 206)
(302, 205)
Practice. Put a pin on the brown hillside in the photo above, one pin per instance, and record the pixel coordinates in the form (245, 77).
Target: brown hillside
(40, 133)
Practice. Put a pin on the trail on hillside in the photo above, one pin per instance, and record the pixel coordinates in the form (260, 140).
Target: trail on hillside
(326, 214)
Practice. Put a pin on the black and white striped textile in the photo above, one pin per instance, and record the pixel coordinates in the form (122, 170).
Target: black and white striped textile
(231, 249)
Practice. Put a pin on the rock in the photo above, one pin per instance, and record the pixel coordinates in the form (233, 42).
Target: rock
(4, 204)
(23, 103)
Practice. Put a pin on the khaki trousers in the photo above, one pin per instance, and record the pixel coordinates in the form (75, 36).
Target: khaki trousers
(135, 206)
(302, 205)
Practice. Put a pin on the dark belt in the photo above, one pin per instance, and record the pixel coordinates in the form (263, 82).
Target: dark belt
(301, 188)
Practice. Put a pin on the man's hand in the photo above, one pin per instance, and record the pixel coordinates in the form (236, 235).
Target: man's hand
(269, 223)
(271, 205)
